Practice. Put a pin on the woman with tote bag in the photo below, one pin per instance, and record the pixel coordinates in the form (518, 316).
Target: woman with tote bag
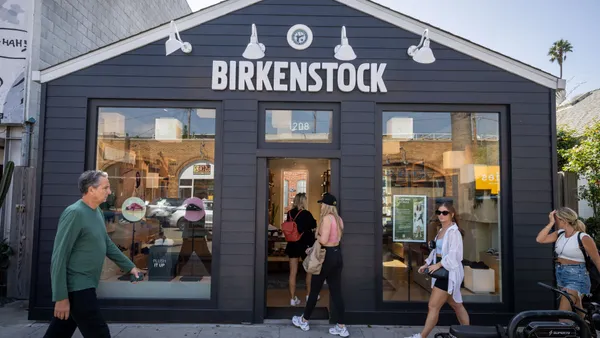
(329, 235)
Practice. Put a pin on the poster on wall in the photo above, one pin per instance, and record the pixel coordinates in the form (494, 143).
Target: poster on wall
(408, 218)
(13, 58)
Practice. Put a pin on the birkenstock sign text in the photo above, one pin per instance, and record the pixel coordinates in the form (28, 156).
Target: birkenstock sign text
(283, 76)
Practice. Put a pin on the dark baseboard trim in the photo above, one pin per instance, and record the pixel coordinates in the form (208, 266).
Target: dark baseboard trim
(160, 315)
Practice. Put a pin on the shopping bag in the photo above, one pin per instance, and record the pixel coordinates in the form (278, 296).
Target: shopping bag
(314, 259)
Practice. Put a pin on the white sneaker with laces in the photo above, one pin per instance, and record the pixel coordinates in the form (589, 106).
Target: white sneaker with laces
(298, 322)
(339, 331)
(318, 297)
(416, 335)
(295, 301)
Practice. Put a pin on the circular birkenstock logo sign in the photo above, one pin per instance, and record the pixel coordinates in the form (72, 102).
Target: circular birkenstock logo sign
(299, 37)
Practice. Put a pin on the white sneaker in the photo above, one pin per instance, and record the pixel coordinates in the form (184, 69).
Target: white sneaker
(295, 301)
(339, 331)
(318, 297)
(298, 322)
(416, 335)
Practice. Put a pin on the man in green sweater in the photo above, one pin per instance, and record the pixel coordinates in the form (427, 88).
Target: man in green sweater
(80, 246)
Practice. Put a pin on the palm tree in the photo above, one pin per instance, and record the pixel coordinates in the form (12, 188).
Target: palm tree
(558, 52)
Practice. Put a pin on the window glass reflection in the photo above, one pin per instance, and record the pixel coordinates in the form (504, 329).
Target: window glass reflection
(307, 126)
(429, 158)
(162, 156)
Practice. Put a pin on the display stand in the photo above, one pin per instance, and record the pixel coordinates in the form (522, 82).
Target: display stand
(131, 250)
(194, 270)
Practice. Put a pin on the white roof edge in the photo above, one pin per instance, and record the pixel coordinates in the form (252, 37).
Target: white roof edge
(456, 43)
(365, 6)
(142, 39)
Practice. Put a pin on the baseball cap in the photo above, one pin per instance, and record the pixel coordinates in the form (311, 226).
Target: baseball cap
(327, 198)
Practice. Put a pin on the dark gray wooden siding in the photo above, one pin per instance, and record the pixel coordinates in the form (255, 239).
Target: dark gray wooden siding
(454, 78)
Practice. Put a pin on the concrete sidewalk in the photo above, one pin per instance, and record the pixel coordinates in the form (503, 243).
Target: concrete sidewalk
(14, 324)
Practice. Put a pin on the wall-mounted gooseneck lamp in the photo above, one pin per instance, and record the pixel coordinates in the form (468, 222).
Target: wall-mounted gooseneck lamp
(174, 43)
(422, 53)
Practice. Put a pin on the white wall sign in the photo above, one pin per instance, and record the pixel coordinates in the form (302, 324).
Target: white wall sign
(273, 76)
(299, 37)
(13, 61)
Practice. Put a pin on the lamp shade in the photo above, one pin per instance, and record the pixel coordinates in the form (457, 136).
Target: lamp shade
(172, 44)
(424, 54)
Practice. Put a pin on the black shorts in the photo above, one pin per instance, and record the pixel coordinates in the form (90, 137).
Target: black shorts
(296, 249)
(441, 284)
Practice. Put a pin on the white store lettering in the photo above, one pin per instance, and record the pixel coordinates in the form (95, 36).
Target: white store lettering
(245, 75)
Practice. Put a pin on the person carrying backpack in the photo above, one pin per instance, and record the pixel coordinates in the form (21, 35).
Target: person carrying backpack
(576, 255)
(298, 230)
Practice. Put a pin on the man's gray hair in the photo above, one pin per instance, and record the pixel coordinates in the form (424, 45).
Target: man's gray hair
(90, 178)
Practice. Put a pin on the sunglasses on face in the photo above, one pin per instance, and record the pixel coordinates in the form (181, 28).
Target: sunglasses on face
(445, 212)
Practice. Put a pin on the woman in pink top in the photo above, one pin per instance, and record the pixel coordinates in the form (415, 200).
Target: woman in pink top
(329, 234)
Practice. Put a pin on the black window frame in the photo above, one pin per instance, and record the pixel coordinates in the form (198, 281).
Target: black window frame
(90, 164)
(507, 302)
(321, 106)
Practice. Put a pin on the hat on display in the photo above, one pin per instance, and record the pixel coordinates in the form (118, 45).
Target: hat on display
(194, 209)
(327, 198)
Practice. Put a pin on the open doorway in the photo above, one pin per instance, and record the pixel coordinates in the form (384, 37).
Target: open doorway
(288, 177)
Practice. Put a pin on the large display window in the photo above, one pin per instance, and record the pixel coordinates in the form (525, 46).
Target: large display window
(165, 159)
(429, 158)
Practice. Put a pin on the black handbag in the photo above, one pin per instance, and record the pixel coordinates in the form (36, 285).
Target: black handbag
(441, 273)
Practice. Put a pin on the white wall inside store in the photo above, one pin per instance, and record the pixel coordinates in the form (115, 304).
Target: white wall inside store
(315, 168)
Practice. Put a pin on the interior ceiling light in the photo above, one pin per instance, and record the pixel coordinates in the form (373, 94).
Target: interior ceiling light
(422, 53)
(174, 43)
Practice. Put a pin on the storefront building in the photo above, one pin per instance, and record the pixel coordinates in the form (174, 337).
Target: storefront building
(278, 97)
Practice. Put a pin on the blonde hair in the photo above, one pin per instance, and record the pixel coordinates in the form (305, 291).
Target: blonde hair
(327, 209)
(300, 201)
(570, 216)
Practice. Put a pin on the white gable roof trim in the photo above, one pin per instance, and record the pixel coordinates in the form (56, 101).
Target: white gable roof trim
(365, 6)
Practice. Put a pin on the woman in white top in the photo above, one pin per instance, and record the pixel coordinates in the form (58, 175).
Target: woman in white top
(571, 272)
(448, 249)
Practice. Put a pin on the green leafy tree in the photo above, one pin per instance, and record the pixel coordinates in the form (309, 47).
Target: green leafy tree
(558, 52)
(584, 159)
(565, 141)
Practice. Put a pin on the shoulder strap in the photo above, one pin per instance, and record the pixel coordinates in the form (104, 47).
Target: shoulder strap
(581, 247)
(438, 233)
(299, 211)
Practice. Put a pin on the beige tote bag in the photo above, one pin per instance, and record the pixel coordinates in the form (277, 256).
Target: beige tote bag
(315, 258)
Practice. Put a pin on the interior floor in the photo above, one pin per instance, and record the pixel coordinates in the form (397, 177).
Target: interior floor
(287, 178)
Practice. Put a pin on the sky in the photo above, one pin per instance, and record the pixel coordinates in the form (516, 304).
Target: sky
(523, 30)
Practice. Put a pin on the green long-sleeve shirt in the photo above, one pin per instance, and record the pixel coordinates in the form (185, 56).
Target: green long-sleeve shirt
(80, 246)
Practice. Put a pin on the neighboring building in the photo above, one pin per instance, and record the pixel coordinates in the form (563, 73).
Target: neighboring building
(389, 136)
(36, 34)
(578, 113)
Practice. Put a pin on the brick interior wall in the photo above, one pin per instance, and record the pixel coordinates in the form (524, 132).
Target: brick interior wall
(293, 177)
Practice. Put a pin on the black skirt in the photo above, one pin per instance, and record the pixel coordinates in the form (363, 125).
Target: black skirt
(296, 249)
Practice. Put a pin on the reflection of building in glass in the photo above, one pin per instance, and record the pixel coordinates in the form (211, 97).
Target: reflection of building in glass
(446, 157)
(161, 156)
(298, 126)
(111, 124)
